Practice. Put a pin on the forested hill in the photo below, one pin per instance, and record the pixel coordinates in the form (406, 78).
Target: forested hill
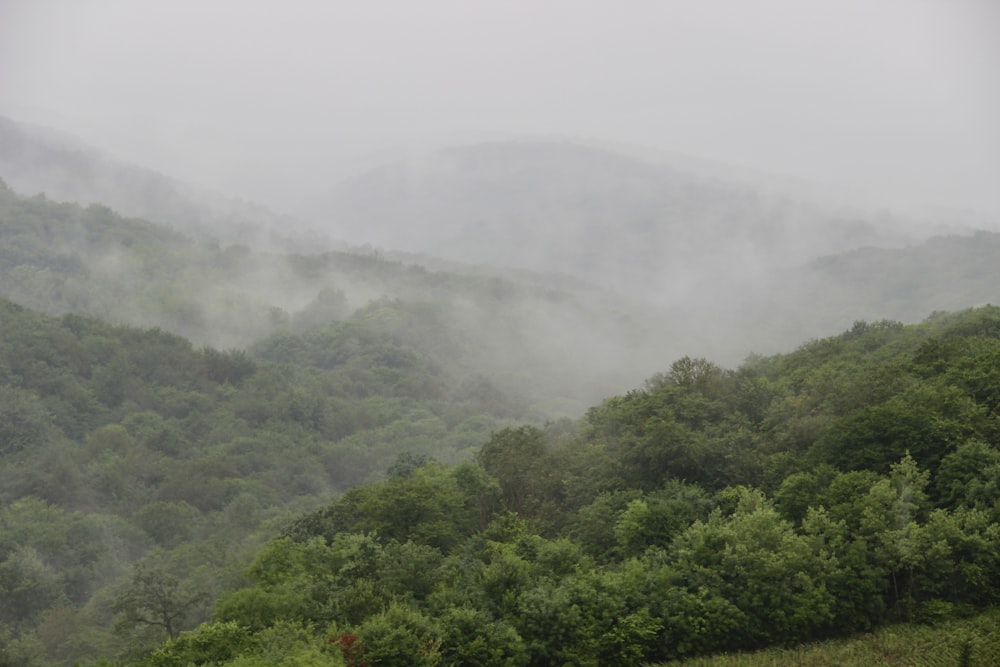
(646, 228)
(906, 283)
(818, 493)
(121, 446)
(828, 294)
(37, 160)
(559, 343)
(227, 394)
(477, 327)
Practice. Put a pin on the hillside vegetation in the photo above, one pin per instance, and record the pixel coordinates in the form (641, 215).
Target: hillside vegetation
(39, 160)
(121, 446)
(802, 496)
(478, 328)
(643, 260)
(558, 342)
(234, 455)
(815, 494)
(974, 641)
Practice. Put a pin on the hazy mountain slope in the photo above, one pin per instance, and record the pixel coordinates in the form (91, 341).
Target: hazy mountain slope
(38, 160)
(551, 338)
(119, 444)
(127, 453)
(905, 284)
(803, 496)
(615, 219)
(830, 293)
(529, 336)
(625, 264)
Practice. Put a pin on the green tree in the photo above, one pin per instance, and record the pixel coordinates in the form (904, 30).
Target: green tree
(893, 510)
(169, 524)
(401, 636)
(927, 421)
(155, 598)
(427, 507)
(472, 637)
(758, 564)
(28, 586)
(24, 420)
(655, 519)
(969, 476)
(513, 456)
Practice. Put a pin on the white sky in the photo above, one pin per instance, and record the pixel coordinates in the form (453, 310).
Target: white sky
(271, 100)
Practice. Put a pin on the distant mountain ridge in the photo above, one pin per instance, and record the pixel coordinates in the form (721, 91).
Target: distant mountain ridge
(40, 160)
(658, 260)
(591, 212)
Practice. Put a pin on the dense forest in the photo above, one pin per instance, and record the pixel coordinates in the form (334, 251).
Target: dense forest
(813, 494)
(808, 495)
(120, 443)
(475, 326)
(293, 454)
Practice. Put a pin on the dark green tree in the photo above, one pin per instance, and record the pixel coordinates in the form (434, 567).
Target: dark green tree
(513, 456)
(154, 598)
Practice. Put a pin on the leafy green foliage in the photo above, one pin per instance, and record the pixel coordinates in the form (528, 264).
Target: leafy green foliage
(817, 493)
(386, 327)
(133, 444)
(882, 507)
(155, 598)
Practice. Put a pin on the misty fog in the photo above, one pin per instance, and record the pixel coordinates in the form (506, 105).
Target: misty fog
(893, 99)
(645, 184)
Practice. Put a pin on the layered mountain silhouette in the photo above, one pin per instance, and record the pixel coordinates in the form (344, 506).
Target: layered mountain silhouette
(677, 257)
(37, 160)
(609, 217)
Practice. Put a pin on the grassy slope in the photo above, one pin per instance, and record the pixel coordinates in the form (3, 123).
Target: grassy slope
(973, 641)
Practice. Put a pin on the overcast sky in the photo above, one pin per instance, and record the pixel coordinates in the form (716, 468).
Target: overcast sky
(268, 100)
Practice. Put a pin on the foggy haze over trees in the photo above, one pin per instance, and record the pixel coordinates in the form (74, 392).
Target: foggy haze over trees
(514, 333)
(643, 261)
(896, 100)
